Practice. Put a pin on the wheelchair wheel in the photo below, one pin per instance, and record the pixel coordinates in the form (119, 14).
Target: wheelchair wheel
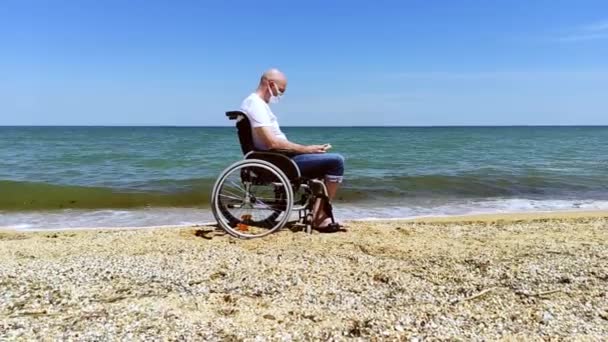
(252, 198)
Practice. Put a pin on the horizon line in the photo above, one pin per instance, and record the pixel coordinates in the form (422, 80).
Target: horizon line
(298, 126)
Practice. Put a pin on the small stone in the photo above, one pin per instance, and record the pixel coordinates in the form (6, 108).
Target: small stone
(547, 317)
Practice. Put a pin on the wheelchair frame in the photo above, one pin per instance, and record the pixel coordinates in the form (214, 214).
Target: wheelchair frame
(278, 163)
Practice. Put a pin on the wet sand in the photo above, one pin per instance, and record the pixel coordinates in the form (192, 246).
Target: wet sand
(525, 276)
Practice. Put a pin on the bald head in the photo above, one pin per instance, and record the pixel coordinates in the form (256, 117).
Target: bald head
(273, 75)
(272, 82)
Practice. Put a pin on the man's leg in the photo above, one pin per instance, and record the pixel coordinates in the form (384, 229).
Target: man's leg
(330, 167)
(320, 216)
(332, 189)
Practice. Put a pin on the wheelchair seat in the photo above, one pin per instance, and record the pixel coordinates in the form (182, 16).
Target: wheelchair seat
(256, 196)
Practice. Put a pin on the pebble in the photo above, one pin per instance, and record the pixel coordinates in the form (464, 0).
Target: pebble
(371, 282)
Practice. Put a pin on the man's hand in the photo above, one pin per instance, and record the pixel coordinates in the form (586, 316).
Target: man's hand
(317, 148)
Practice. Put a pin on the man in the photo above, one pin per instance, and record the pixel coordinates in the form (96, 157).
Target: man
(313, 160)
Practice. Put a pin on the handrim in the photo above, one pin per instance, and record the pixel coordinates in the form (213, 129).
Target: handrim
(215, 201)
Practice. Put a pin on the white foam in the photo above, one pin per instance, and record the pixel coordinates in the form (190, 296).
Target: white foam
(21, 226)
(180, 217)
(79, 219)
(459, 208)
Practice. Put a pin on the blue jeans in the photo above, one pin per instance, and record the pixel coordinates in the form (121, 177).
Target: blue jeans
(329, 166)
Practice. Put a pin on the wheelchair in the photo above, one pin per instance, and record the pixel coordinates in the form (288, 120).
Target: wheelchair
(257, 196)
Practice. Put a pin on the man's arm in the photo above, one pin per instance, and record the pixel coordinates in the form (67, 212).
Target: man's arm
(275, 143)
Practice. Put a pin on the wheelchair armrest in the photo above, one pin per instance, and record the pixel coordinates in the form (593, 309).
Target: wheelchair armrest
(286, 153)
(276, 153)
(280, 160)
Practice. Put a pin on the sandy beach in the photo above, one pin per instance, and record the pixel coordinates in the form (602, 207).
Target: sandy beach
(529, 276)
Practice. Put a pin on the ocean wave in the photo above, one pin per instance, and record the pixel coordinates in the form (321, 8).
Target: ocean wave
(18, 195)
(38, 196)
(482, 185)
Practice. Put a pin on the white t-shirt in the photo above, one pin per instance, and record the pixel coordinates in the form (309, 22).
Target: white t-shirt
(260, 115)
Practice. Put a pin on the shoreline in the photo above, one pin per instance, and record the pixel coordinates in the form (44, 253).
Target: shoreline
(490, 217)
(491, 277)
(458, 218)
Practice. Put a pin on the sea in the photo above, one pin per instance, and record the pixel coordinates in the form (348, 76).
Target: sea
(88, 177)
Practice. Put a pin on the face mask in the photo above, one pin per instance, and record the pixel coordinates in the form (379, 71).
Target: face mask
(273, 98)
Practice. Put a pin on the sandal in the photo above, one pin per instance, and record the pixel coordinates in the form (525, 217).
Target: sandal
(328, 226)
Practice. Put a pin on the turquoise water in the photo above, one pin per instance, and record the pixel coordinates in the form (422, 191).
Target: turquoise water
(129, 175)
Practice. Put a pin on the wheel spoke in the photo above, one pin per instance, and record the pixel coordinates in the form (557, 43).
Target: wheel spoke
(233, 194)
(232, 197)
(265, 198)
(238, 186)
(265, 205)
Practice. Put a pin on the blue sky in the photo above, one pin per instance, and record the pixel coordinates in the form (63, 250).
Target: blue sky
(348, 62)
